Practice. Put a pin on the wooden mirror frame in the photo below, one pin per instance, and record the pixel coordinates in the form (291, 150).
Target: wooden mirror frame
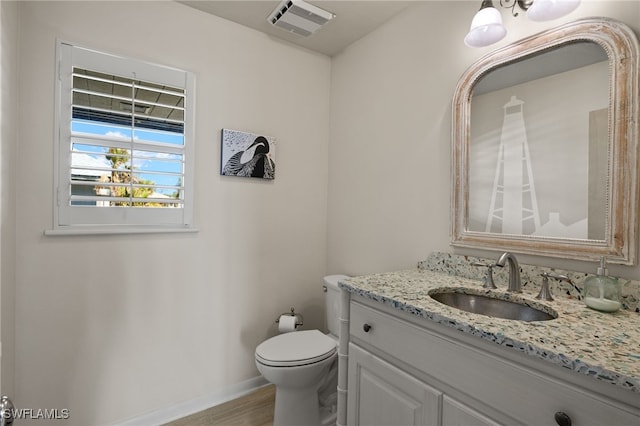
(621, 230)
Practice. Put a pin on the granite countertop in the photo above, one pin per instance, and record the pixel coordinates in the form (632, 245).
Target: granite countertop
(605, 346)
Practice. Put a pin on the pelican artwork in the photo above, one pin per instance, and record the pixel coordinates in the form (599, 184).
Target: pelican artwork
(253, 161)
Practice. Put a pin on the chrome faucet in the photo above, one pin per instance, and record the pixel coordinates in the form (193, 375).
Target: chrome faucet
(515, 286)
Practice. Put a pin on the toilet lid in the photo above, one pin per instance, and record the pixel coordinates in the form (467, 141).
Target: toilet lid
(295, 348)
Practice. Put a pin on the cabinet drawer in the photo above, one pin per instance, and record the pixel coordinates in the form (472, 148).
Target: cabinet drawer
(515, 390)
(380, 330)
(454, 413)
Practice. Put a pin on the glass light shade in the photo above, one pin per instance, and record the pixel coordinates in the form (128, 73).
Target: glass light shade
(547, 10)
(486, 28)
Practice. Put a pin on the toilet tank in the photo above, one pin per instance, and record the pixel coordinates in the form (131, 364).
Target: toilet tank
(332, 303)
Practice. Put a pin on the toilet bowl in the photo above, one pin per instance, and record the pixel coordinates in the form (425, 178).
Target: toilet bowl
(303, 367)
(296, 363)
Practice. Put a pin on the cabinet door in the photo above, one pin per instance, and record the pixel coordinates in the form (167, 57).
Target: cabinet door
(455, 413)
(382, 394)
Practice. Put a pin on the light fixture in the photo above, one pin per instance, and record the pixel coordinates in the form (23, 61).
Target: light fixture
(486, 26)
(547, 10)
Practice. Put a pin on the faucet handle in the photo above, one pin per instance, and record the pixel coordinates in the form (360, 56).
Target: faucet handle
(545, 292)
(558, 277)
(488, 279)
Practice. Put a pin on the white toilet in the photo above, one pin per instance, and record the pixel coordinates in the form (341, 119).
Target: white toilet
(303, 365)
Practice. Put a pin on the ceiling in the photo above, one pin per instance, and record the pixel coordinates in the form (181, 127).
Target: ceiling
(354, 19)
(550, 62)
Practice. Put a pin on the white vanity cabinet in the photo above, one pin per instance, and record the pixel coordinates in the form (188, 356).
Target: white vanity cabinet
(384, 395)
(407, 370)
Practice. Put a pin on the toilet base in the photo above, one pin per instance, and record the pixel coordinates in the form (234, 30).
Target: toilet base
(328, 416)
(296, 407)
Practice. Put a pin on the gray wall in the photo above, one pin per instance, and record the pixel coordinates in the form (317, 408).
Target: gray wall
(389, 166)
(113, 327)
(8, 135)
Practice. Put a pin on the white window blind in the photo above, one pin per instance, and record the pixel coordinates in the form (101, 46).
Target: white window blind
(125, 142)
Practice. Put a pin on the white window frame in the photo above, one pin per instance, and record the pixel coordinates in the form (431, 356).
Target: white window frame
(73, 219)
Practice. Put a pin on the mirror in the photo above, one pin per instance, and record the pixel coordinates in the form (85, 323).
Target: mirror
(506, 172)
(545, 145)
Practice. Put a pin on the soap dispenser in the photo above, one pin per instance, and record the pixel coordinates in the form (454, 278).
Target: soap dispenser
(602, 292)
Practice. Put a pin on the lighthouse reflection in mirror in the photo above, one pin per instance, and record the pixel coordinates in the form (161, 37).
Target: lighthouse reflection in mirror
(247, 155)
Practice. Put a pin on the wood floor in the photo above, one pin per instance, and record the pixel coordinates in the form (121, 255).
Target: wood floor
(255, 409)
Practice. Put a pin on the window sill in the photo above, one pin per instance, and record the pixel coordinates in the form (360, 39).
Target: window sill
(115, 230)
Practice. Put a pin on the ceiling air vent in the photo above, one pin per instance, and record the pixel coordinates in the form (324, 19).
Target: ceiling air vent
(299, 17)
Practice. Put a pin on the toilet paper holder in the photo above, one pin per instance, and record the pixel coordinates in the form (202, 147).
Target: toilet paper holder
(293, 313)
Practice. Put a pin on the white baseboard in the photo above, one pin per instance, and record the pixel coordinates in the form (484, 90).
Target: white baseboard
(195, 405)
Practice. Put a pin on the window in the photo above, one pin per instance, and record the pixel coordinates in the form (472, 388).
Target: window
(124, 143)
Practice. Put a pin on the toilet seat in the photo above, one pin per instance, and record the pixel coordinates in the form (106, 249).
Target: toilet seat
(295, 349)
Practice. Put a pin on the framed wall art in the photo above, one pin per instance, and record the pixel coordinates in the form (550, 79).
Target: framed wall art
(247, 155)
